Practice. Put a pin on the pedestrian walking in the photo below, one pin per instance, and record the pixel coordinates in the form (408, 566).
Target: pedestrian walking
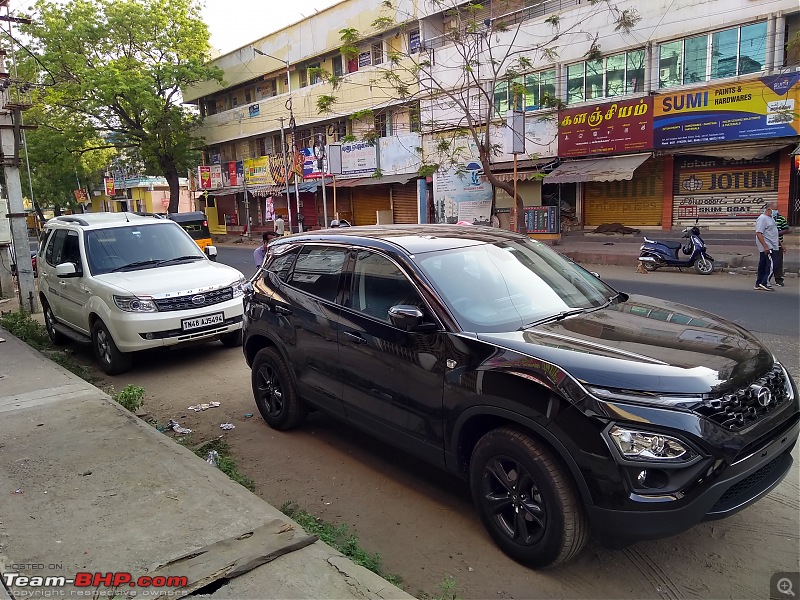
(767, 244)
(777, 257)
(279, 227)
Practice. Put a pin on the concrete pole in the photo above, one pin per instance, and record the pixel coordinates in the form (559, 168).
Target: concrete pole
(19, 227)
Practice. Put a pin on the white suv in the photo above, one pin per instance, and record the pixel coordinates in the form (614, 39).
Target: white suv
(125, 282)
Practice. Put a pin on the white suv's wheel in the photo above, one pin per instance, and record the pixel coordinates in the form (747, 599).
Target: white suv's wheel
(50, 325)
(111, 360)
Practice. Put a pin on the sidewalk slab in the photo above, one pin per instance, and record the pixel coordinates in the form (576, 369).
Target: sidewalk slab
(87, 486)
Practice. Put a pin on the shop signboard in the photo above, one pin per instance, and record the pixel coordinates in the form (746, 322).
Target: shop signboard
(608, 128)
(257, 171)
(359, 159)
(216, 176)
(542, 219)
(205, 178)
(717, 189)
(462, 195)
(761, 108)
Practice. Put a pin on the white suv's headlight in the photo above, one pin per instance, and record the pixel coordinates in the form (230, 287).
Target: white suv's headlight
(134, 304)
(645, 445)
(238, 288)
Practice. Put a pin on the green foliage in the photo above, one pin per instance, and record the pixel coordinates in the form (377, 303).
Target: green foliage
(627, 20)
(225, 462)
(339, 537)
(131, 397)
(382, 23)
(427, 170)
(363, 114)
(370, 137)
(325, 102)
(554, 20)
(594, 52)
(377, 174)
(349, 38)
(446, 590)
(348, 139)
(115, 69)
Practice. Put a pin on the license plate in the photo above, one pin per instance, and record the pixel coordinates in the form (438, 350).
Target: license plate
(204, 321)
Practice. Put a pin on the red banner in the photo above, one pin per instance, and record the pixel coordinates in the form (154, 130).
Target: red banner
(612, 127)
(205, 177)
(81, 196)
(232, 174)
(109, 183)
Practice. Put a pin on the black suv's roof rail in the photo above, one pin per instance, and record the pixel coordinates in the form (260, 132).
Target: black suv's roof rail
(149, 214)
(71, 219)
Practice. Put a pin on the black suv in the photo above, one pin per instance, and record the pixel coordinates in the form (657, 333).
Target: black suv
(566, 404)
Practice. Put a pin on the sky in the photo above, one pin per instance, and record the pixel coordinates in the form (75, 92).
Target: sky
(235, 23)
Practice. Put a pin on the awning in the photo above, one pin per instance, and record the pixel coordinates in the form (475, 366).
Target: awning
(303, 186)
(612, 168)
(385, 180)
(521, 176)
(735, 151)
(527, 170)
(796, 151)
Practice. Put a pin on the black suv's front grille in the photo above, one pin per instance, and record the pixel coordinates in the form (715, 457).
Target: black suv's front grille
(737, 410)
(187, 302)
(742, 491)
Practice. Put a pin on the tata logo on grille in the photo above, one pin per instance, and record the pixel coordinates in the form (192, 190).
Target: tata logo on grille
(763, 395)
(199, 299)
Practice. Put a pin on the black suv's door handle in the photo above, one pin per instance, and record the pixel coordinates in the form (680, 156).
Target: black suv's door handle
(355, 337)
(282, 310)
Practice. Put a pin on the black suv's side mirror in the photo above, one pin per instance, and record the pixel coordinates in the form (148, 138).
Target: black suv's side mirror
(408, 317)
(68, 269)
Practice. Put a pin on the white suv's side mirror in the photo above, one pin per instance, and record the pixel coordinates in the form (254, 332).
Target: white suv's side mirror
(211, 252)
(66, 270)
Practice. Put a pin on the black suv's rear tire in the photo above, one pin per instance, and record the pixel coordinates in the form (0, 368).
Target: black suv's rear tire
(50, 324)
(274, 391)
(232, 339)
(111, 360)
(526, 499)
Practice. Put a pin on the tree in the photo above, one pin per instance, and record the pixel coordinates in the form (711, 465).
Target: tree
(477, 56)
(115, 69)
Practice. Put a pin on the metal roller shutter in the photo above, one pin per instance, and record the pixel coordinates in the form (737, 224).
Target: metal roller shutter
(404, 203)
(635, 202)
(367, 200)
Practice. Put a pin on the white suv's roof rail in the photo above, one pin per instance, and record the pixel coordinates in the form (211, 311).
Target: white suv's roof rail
(72, 219)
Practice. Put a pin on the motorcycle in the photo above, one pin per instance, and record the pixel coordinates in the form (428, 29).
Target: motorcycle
(654, 253)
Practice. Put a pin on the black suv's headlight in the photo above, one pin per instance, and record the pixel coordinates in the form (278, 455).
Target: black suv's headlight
(634, 444)
(135, 304)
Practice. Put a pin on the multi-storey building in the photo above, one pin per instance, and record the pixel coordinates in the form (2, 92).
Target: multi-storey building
(691, 112)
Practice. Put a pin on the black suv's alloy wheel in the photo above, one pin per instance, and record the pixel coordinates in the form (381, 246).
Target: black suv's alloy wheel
(526, 499)
(274, 391)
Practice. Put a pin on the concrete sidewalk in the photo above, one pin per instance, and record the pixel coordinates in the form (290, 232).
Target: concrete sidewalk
(86, 486)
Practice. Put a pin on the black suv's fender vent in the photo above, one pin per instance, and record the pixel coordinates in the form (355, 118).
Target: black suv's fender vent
(188, 302)
(747, 405)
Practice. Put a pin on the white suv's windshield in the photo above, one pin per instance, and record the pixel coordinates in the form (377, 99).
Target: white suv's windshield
(135, 247)
(509, 285)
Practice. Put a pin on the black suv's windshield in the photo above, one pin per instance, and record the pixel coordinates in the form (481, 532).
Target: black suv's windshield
(135, 247)
(509, 285)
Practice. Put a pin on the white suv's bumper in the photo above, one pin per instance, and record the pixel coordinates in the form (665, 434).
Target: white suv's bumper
(139, 331)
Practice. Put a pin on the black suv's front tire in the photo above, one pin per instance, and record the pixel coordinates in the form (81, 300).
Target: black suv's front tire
(526, 499)
(111, 360)
(274, 391)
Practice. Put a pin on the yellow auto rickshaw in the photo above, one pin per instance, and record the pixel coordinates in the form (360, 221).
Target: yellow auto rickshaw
(196, 225)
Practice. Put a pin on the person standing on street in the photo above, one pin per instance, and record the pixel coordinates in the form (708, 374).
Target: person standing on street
(777, 257)
(767, 244)
(261, 251)
(279, 228)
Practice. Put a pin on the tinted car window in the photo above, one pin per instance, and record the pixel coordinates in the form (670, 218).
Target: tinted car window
(70, 251)
(54, 245)
(281, 265)
(507, 285)
(379, 284)
(317, 271)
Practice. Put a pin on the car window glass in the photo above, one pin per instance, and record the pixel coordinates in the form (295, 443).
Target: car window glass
(44, 239)
(317, 271)
(379, 284)
(281, 265)
(55, 243)
(70, 251)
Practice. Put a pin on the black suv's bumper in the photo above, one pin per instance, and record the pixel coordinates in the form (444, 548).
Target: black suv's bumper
(738, 486)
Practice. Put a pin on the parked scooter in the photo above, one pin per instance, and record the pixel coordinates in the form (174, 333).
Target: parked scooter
(654, 254)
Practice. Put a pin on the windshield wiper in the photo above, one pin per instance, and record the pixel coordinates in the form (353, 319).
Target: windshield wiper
(178, 259)
(556, 317)
(133, 265)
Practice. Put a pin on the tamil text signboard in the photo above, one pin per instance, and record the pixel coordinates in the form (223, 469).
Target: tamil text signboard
(609, 128)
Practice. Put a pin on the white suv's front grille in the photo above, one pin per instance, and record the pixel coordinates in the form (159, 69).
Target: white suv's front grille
(195, 300)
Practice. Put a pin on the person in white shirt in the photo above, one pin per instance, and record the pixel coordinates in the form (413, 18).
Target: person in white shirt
(767, 243)
(279, 227)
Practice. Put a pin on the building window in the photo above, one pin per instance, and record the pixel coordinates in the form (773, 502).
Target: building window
(607, 77)
(277, 144)
(383, 125)
(303, 77)
(338, 65)
(501, 98)
(261, 146)
(314, 77)
(414, 119)
(377, 53)
(248, 96)
(727, 53)
(540, 89)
